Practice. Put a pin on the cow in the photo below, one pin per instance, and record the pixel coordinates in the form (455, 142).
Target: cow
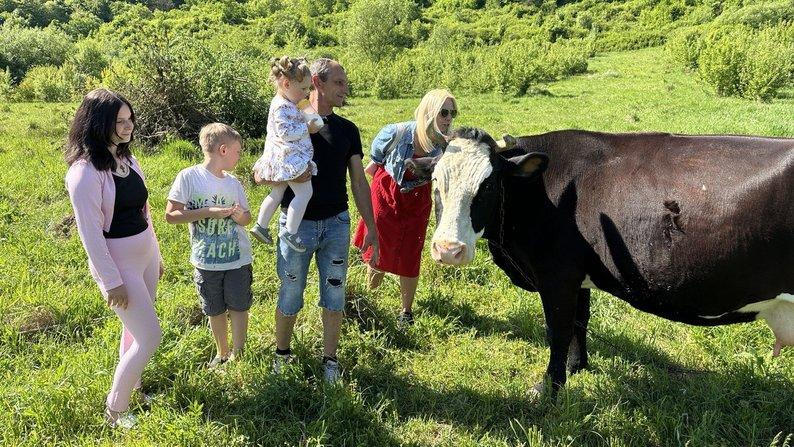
(695, 229)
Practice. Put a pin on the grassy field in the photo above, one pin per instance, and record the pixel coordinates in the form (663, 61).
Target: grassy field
(459, 377)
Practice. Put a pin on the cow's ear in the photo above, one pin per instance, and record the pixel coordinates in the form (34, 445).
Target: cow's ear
(422, 167)
(528, 165)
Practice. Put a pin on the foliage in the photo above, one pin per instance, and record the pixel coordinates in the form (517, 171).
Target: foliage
(22, 48)
(738, 60)
(178, 85)
(6, 84)
(376, 28)
(48, 83)
(683, 48)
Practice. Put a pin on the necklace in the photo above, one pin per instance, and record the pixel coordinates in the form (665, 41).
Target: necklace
(122, 168)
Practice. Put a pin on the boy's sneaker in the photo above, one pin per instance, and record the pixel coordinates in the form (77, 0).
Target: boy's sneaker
(293, 241)
(404, 320)
(280, 361)
(332, 372)
(261, 234)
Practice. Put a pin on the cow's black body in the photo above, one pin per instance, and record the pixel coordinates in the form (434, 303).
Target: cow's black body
(690, 228)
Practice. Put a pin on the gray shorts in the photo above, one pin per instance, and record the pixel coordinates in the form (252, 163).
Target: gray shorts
(220, 290)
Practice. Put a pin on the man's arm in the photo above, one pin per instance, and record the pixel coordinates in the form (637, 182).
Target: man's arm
(361, 195)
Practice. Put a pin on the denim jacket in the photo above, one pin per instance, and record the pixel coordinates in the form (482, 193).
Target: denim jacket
(394, 161)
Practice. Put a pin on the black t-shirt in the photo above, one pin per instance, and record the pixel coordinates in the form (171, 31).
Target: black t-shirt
(128, 218)
(334, 144)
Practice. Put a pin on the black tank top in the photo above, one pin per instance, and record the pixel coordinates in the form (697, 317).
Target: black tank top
(128, 217)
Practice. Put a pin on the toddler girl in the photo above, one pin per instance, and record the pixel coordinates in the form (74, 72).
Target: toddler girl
(288, 149)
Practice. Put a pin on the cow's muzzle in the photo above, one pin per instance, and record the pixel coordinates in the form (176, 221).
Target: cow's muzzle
(449, 252)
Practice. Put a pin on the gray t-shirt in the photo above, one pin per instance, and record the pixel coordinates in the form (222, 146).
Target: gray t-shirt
(217, 244)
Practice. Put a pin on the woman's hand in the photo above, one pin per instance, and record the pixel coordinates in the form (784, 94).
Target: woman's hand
(162, 270)
(117, 297)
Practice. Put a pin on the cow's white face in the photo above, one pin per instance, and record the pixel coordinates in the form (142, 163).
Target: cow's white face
(457, 177)
(467, 190)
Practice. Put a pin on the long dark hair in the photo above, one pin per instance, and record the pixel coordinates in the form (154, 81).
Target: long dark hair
(93, 127)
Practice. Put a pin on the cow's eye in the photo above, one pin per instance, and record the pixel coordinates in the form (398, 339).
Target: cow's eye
(432, 179)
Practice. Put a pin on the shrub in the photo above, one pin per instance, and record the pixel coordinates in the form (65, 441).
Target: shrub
(771, 66)
(377, 27)
(683, 48)
(759, 15)
(724, 52)
(46, 83)
(178, 84)
(739, 61)
(81, 24)
(6, 85)
(22, 48)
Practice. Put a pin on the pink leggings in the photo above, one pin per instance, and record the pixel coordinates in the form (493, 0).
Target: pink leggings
(138, 260)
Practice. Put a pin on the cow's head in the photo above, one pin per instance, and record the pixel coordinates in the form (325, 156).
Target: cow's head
(467, 188)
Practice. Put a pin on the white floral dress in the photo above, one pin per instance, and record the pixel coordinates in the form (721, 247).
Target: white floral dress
(288, 147)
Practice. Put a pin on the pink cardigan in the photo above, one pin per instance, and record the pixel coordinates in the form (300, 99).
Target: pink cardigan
(93, 196)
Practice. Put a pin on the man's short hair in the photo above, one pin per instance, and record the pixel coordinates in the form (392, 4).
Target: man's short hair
(214, 134)
(322, 67)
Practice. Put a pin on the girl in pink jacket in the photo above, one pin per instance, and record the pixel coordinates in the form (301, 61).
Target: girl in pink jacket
(109, 197)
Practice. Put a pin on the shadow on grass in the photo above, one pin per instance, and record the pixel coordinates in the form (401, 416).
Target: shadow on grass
(288, 409)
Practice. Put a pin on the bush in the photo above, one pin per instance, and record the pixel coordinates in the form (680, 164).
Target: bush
(771, 66)
(81, 24)
(739, 61)
(759, 15)
(22, 48)
(683, 48)
(47, 83)
(6, 85)
(376, 28)
(178, 84)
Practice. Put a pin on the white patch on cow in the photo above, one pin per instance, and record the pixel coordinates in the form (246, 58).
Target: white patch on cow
(778, 314)
(457, 177)
(757, 307)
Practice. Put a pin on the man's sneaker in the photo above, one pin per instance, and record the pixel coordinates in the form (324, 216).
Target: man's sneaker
(280, 361)
(405, 319)
(332, 372)
(293, 241)
(261, 234)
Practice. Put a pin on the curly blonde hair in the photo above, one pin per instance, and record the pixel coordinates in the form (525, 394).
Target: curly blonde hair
(294, 69)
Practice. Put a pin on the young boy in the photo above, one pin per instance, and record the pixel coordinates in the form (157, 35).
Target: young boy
(213, 204)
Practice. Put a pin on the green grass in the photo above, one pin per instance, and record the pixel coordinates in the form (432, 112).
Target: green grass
(459, 377)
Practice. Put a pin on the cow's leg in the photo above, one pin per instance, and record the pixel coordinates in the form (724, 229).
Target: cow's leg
(559, 308)
(577, 352)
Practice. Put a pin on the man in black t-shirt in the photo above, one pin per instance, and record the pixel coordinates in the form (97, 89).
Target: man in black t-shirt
(325, 229)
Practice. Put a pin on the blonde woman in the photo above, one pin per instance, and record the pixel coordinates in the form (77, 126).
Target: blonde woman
(401, 218)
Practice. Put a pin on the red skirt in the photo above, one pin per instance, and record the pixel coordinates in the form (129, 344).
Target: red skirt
(401, 220)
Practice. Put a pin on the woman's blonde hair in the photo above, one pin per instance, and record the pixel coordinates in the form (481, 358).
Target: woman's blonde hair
(425, 116)
(294, 69)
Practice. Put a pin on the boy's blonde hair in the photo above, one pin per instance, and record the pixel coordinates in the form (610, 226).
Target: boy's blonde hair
(214, 134)
(294, 69)
(425, 116)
